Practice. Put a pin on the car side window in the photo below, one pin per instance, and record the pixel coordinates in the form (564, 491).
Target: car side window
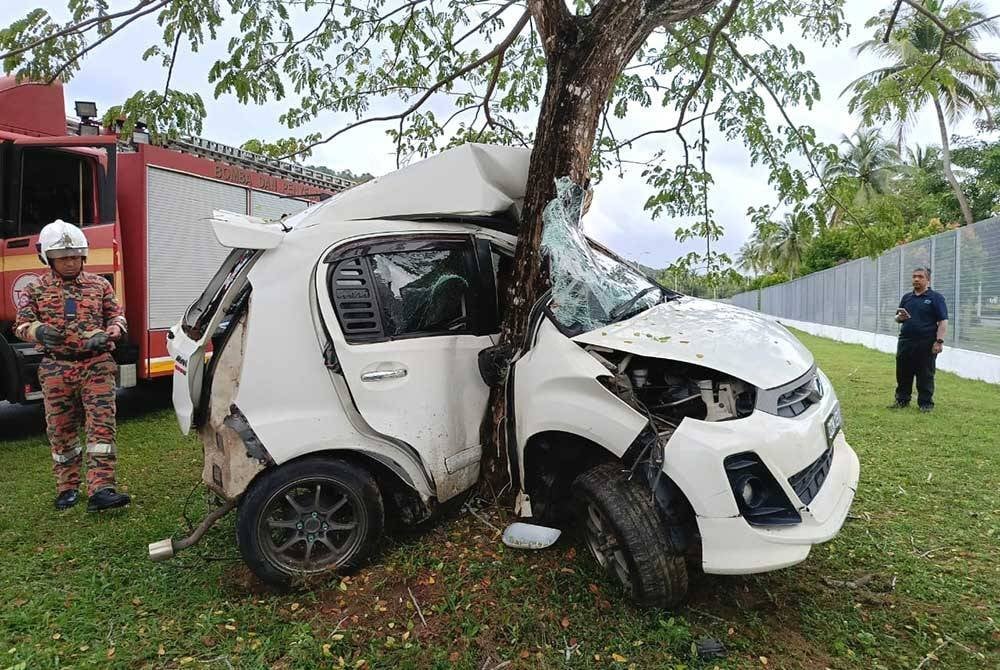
(414, 287)
(424, 291)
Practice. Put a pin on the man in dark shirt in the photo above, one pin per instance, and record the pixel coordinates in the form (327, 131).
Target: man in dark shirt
(923, 316)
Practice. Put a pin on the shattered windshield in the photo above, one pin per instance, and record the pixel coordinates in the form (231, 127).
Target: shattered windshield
(589, 288)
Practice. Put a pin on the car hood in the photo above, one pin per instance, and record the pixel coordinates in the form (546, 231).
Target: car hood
(732, 340)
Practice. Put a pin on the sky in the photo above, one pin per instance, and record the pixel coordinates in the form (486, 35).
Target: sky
(115, 70)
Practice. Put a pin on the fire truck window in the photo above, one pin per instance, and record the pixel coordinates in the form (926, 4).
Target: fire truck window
(55, 185)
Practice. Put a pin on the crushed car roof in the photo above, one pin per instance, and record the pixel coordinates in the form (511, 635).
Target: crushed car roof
(469, 180)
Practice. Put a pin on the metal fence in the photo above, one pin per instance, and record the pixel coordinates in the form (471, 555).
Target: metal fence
(864, 294)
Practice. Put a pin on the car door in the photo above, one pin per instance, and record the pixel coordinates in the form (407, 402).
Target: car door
(411, 316)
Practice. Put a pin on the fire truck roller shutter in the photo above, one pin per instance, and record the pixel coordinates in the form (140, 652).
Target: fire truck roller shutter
(183, 253)
(271, 207)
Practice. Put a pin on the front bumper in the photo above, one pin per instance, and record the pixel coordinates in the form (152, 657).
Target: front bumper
(731, 546)
(694, 460)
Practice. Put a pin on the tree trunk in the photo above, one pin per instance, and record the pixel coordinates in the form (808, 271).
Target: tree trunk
(584, 57)
(946, 162)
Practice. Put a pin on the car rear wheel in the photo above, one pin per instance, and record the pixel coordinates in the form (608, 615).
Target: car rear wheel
(309, 517)
(626, 537)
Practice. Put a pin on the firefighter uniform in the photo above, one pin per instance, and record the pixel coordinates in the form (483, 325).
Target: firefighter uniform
(68, 318)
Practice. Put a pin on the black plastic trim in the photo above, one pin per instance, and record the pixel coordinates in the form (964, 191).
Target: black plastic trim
(774, 508)
(808, 481)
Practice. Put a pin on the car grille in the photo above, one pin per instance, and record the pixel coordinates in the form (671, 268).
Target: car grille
(800, 399)
(808, 481)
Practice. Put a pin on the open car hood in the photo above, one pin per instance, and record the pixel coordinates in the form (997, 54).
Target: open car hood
(732, 340)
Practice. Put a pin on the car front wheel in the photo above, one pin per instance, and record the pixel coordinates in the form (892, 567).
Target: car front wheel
(308, 517)
(626, 537)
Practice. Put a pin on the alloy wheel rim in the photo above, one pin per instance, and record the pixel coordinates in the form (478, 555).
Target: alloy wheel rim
(311, 525)
(605, 546)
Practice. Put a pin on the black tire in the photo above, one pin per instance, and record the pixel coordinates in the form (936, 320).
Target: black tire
(319, 504)
(626, 537)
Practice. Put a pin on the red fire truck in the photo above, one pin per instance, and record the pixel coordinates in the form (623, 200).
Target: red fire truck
(143, 209)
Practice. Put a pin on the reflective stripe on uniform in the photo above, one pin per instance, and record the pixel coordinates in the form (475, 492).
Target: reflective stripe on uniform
(68, 456)
(101, 448)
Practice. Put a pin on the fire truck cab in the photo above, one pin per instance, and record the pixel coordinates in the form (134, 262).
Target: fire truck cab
(144, 209)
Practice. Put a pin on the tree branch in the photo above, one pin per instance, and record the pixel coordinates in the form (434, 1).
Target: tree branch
(552, 17)
(784, 113)
(496, 51)
(659, 131)
(82, 26)
(170, 70)
(892, 21)
(950, 34)
(83, 52)
(482, 23)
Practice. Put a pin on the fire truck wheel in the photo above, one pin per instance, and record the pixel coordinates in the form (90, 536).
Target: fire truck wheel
(312, 516)
(626, 537)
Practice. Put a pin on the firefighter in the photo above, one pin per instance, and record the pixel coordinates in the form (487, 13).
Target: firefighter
(74, 318)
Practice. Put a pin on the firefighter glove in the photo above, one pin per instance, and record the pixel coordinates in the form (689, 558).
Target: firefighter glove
(97, 342)
(49, 336)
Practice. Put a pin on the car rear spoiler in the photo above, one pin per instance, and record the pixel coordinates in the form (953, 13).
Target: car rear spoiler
(241, 231)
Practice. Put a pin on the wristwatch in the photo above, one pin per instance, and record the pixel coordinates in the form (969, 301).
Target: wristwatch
(939, 341)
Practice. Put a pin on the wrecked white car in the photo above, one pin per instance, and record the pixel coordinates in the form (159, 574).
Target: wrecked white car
(352, 352)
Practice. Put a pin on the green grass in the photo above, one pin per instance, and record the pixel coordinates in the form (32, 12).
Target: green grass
(76, 590)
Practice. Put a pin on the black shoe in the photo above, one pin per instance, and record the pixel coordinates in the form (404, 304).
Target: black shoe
(927, 408)
(107, 499)
(67, 499)
(898, 405)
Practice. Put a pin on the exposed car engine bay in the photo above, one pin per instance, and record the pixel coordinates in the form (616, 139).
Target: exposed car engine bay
(669, 391)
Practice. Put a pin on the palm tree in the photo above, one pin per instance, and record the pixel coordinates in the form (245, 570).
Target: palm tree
(867, 161)
(749, 258)
(928, 67)
(787, 241)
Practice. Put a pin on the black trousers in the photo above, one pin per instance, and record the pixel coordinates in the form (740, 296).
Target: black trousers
(915, 358)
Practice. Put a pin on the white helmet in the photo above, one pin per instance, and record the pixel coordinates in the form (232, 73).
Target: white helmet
(59, 240)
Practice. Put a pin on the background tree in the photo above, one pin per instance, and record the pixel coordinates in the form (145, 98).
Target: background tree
(867, 162)
(933, 60)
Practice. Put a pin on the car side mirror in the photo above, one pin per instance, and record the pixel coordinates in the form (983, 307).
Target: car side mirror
(494, 362)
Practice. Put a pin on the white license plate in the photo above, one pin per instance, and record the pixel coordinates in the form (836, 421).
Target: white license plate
(834, 423)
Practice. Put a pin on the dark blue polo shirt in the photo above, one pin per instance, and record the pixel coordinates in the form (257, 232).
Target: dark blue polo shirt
(925, 312)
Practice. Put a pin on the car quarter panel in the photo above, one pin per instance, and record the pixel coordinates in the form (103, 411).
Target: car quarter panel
(556, 389)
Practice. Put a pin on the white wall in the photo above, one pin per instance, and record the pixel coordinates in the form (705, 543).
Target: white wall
(963, 362)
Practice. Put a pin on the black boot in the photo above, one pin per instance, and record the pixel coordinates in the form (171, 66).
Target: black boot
(107, 499)
(67, 499)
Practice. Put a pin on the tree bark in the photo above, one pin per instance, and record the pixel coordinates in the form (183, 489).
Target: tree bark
(946, 162)
(584, 57)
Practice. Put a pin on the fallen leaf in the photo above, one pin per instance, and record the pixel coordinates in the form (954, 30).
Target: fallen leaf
(763, 660)
(454, 656)
(160, 651)
(525, 654)
(111, 652)
(565, 622)
(326, 650)
(56, 636)
(295, 606)
(85, 647)
(618, 658)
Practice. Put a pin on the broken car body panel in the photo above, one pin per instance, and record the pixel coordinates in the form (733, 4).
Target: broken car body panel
(747, 345)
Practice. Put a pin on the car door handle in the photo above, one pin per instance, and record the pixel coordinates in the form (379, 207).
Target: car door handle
(381, 375)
